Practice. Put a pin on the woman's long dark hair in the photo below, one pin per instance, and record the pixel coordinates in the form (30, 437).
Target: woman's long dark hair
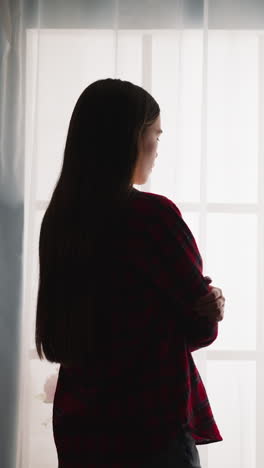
(95, 181)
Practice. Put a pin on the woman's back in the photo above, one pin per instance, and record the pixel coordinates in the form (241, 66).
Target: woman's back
(141, 387)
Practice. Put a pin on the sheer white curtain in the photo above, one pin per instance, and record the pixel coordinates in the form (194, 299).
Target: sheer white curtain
(203, 61)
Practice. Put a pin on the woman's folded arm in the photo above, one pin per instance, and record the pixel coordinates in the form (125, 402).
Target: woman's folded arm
(175, 265)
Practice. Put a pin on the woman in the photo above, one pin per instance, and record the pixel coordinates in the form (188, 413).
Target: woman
(122, 301)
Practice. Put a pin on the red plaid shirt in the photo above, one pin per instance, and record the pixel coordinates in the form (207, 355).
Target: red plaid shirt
(143, 387)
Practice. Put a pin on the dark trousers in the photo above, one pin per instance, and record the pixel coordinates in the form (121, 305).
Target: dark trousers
(181, 453)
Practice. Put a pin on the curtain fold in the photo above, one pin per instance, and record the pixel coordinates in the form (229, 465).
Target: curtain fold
(12, 63)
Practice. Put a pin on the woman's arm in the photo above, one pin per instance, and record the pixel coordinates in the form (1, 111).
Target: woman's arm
(165, 250)
(211, 305)
(176, 267)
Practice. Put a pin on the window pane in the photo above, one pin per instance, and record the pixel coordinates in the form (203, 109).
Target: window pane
(231, 261)
(231, 388)
(129, 56)
(68, 62)
(177, 84)
(232, 133)
(192, 220)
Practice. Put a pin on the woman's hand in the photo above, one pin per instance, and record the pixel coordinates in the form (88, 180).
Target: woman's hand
(211, 305)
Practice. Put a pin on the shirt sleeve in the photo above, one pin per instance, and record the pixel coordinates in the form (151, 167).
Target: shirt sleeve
(175, 265)
(184, 279)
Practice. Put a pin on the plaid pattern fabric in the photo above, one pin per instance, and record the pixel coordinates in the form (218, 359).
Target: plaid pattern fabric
(143, 387)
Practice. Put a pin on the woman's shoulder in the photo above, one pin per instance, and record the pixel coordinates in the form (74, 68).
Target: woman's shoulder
(156, 203)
